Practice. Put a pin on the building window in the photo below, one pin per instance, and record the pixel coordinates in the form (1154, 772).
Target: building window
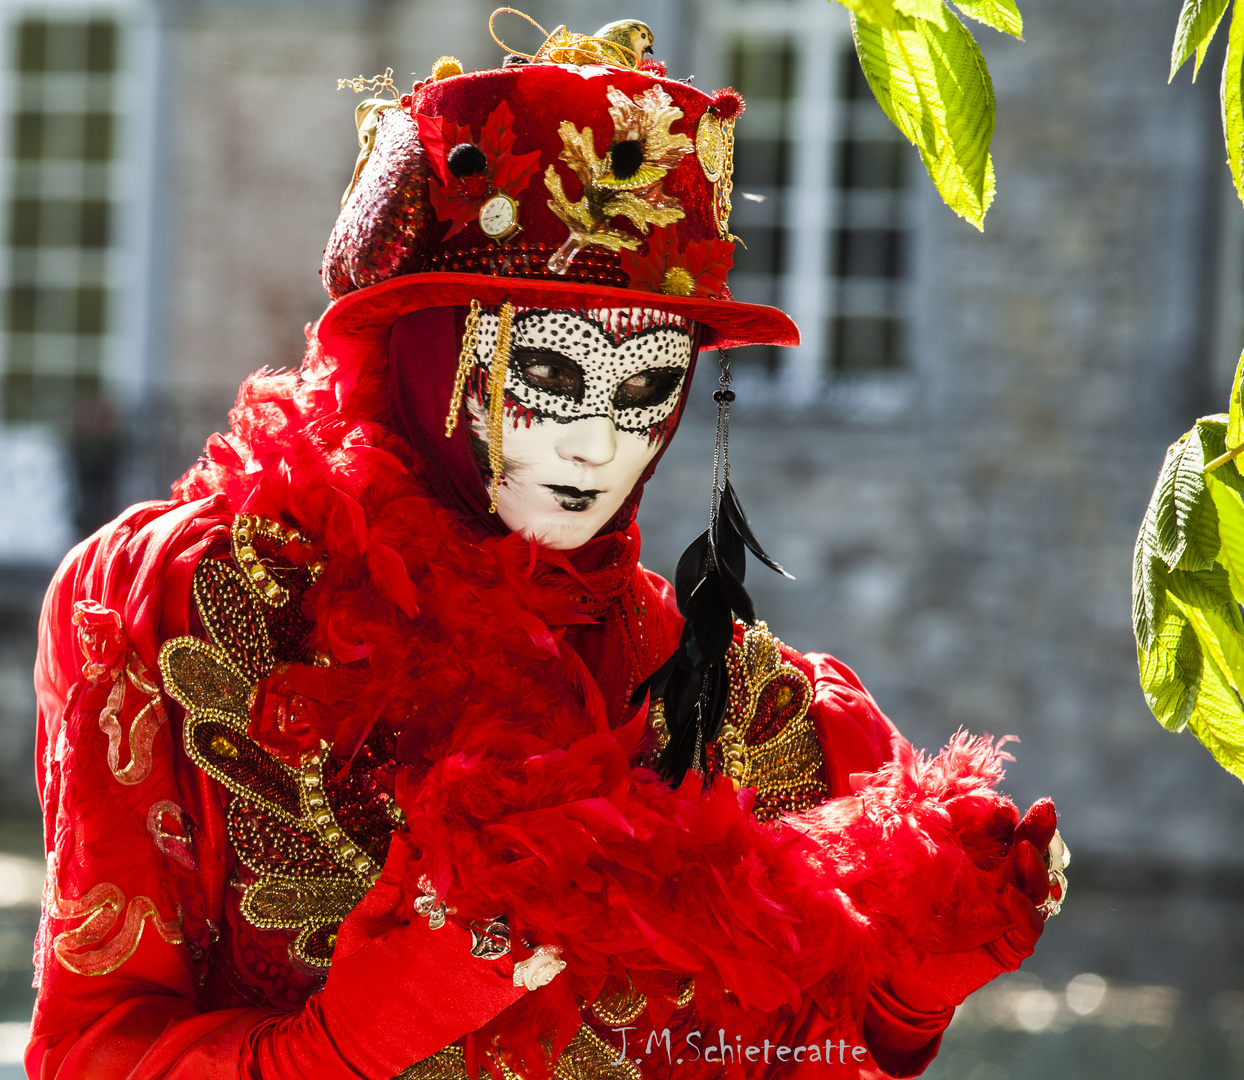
(822, 192)
(62, 132)
(763, 71)
(871, 169)
(77, 120)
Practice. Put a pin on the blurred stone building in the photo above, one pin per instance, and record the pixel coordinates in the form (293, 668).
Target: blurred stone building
(954, 464)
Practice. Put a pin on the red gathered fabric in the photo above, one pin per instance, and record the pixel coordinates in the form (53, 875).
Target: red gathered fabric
(423, 361)
(507, 669)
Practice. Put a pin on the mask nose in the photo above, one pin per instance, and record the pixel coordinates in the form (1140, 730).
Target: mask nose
(591, 441)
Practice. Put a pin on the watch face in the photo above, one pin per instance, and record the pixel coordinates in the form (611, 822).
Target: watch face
(498, 217)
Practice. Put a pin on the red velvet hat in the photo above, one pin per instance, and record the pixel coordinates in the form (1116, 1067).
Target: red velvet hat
(547, 185)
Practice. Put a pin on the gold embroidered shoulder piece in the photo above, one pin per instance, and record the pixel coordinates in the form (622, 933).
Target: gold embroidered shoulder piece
(767, 741)
(304, 872)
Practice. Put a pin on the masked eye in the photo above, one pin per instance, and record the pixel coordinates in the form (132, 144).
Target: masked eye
(647, 388)
(550, 372)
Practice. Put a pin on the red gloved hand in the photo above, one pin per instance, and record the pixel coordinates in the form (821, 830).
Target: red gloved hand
(943, 978)
(396, 994)
(908, 1011)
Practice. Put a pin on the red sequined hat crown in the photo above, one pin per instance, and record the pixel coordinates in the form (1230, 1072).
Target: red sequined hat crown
(547, 184)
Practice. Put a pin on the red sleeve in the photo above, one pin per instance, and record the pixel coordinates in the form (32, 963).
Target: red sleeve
(855, 735)
(137, 854)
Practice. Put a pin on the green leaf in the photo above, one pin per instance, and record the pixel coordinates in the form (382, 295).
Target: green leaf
(880, 12)
(1185, 522)
(1232, 107)
(933, 10)
(1196, 517)
(1213, 431)
(1203, 589)
(1170, 671)
(1180, 530)
(1230, 530)
(932, 83)
(1218, 720)
(1235, 410)
(1000, 14)
(1220, 632)
(1149, 575)
(1198, 22)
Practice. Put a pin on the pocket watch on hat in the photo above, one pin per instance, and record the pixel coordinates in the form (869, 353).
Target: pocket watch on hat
(498, 217)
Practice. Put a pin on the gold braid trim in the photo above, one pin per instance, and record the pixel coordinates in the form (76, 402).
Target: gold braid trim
(496, 399)
(466, 357)
(246, 528)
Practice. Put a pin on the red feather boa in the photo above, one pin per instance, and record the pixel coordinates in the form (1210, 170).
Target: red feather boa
(521, 800)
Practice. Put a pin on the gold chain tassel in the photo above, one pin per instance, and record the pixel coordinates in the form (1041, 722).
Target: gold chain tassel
(496, 399)
(466, 357)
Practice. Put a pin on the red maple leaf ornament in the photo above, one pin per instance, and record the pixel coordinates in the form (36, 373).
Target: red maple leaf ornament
(697, 268)
(458, 199)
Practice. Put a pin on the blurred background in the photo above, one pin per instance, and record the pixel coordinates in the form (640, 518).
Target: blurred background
(954, 463)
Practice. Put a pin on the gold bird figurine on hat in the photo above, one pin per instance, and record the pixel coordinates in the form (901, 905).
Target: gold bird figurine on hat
(629, 33)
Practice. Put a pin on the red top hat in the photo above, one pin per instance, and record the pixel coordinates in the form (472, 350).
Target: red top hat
(548, 185)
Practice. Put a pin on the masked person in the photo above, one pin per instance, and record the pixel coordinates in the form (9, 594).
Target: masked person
(375, 750)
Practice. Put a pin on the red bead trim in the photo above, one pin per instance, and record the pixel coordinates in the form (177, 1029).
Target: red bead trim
(531, 261)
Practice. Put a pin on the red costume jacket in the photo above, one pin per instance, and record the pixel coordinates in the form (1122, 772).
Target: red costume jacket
(305, 737)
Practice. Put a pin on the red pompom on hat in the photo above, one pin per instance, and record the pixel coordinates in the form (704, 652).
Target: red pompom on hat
(548, 185)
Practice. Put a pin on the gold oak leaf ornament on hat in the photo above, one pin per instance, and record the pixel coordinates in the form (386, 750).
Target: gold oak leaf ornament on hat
(626, 182)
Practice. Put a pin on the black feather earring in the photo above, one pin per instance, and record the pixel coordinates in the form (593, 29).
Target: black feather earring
(708, 586)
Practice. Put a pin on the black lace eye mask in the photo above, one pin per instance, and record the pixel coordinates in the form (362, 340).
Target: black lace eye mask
(628, 365)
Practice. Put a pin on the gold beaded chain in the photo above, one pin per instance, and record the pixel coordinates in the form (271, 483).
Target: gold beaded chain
(466, 357)
(246, 527)
(496, 399)
(725, 185)
(315, 805)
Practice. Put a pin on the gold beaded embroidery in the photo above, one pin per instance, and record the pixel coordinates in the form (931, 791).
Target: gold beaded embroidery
(307, 872)
(586, 1057)
(619, 1008)
(589, 1057)
(768, 741)
(626, 1005)
(246, 528)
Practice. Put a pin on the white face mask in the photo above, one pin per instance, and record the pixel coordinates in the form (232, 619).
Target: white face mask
(589, 399)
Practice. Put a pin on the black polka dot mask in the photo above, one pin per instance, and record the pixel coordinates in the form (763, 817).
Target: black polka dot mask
(625, 364)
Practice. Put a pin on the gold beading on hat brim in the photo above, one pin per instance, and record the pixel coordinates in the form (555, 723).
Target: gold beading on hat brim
(366, 315)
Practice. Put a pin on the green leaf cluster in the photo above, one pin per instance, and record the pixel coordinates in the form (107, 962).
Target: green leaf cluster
(928, 75)
(1198, 23)
(1187, 587)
